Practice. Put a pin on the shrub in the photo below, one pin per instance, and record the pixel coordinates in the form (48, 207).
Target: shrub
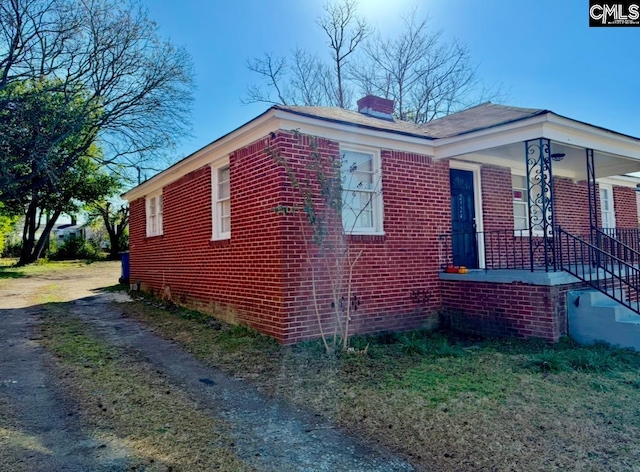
(78, 248)
(12, 249)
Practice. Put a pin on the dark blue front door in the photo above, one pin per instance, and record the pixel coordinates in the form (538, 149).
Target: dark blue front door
(463, 225)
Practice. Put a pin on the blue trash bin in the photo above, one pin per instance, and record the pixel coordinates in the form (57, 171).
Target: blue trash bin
(124, 276)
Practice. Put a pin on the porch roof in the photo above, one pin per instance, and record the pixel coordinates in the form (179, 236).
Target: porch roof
(503, 144)
(484, 116)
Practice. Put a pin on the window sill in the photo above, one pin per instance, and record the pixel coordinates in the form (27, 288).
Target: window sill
(366, 237)
(149, 236)
(220, 242)
(525, 233)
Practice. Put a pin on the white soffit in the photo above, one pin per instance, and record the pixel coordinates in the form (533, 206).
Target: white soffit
(621, 181)
(211, 154)
(352, 134)
(495, 145)
(553, 127)
(274, 120)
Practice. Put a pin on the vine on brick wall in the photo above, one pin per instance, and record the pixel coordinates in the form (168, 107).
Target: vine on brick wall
(318, 183)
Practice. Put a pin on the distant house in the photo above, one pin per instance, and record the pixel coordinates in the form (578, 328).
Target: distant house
(68, 231)
(533, 203)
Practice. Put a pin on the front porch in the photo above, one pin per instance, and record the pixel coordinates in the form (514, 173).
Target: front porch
(534, 220)
(520, 293)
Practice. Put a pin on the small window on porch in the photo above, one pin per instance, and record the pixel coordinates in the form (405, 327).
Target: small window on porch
(606, 206)
(521, 207)
(520, 199)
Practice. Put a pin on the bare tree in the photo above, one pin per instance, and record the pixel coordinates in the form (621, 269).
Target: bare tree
(303, 78)
(309, 76)
(127, 90)
(425, 76)
(345, 30)
(273, 71)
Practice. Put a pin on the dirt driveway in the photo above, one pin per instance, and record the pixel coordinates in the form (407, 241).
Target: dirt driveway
(42, 429)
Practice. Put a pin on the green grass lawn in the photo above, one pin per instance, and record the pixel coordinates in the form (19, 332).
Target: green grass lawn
(43, 266)
(447, 401)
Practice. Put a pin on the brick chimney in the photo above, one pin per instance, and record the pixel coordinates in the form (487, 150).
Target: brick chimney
(376, 106)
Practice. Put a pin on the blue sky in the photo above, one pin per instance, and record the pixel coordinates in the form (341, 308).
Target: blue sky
(541, 51)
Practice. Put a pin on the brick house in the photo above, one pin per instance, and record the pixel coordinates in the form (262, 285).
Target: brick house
(524, 198)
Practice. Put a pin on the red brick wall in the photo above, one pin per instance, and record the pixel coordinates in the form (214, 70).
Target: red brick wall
(571, 201)
(625, 207)
(497, 198)
(397, 277)
(515, 309)
(572, 205)
(262, 275)
(242, 276)
(395, 281)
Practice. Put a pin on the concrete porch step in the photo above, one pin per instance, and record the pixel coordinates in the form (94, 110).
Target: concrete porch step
(593, 316)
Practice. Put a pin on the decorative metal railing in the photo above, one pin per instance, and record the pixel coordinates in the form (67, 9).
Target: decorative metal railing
(603, 270)
(503, 249)
(628, 237)
(517, 249)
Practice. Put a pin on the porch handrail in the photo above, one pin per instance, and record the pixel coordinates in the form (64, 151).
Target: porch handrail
(606, 272)
(629, 237)
(615, 246)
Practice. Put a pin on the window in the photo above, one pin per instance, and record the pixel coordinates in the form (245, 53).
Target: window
(606, 206)
(221, 203)
(154, 215)
(361, 201)
(521, 205)
(520, 202)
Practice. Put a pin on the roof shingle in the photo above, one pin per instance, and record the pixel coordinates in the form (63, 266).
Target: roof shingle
(475, 118)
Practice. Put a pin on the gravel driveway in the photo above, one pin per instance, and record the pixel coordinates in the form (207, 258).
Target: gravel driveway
(40, 430)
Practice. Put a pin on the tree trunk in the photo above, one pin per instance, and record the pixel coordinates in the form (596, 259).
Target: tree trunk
(114, 241)
(29, 234)
(32, 250)
(115, 226)
(44, 237)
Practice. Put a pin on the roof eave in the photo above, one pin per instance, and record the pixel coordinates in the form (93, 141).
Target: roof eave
(356, 125)
(542, 125)
(273, 119)
(203, 156)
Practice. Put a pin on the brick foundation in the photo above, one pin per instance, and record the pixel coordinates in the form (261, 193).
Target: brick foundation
(507, 309)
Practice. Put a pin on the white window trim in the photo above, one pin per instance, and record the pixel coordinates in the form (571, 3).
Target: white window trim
(377, 202)
(159, 204)
(216, 234)
(523, 232)
(612, 209)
